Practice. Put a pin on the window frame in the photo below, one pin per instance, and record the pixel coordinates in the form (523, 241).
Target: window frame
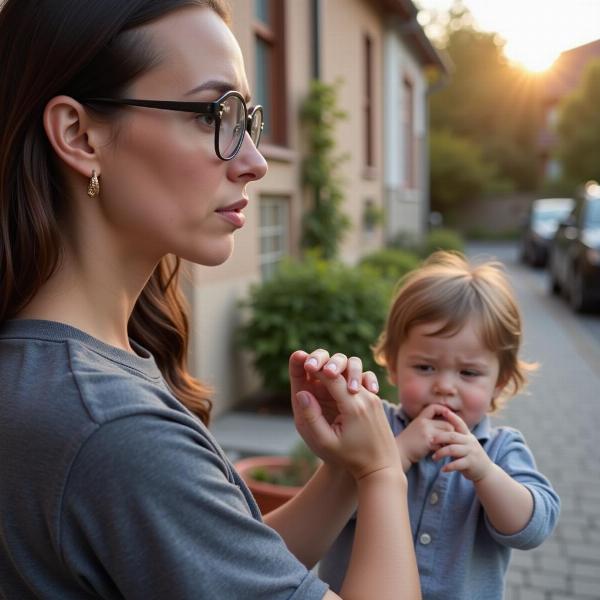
(272, 34)
(282, 230)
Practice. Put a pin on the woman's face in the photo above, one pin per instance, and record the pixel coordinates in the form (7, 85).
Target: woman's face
(164, 190)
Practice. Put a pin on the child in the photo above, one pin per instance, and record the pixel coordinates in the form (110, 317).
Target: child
(451, 347)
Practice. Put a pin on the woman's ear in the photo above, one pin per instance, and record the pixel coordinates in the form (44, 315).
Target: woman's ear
(73, 135)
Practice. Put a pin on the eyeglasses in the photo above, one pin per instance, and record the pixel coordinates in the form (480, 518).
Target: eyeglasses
(231, 118)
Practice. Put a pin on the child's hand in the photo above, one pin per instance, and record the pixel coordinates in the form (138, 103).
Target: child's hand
(417, 440)
(469, 456)
(303, 368)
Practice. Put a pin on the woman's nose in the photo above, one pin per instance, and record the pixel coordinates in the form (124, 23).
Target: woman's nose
(249, 164)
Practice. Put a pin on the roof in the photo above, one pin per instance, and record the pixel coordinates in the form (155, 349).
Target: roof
(565, 74)
(412, 31)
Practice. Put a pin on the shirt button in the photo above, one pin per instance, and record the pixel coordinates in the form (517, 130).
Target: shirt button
(425, 539)
(434, 498)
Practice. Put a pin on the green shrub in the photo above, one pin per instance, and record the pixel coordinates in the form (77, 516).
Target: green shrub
(442, 239)
(390, 263)
(310, 305)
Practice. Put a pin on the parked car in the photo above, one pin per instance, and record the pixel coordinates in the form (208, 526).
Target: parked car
(539, 228)
(574, 263)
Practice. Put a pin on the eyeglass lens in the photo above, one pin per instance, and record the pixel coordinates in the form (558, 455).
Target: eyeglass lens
(233, 126)
(256, 126)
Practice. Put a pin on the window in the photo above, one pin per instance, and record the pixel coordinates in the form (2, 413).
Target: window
(409, 135)
(368, 101)
(273, 232)
(270, 68)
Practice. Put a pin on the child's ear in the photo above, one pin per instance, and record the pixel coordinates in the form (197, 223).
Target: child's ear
(500, 385)
(392, 376)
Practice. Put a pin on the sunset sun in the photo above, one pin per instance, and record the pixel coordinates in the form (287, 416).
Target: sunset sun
(535, 59)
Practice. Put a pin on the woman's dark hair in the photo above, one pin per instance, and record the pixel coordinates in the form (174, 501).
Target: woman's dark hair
(81, 49)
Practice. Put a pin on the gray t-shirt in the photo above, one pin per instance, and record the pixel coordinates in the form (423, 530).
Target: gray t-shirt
(110, 488)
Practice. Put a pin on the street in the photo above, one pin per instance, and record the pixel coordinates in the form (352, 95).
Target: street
(559, 414)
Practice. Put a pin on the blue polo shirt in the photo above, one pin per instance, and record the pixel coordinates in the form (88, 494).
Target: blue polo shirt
(460, 554)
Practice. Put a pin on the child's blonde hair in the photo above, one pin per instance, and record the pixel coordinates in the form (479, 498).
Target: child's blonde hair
(449, 289)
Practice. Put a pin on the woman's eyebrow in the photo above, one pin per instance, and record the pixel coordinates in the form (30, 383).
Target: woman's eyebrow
(218, 86)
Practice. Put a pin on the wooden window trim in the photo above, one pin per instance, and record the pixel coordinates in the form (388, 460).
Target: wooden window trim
(273, 34)
(409, 111)
(369, 157)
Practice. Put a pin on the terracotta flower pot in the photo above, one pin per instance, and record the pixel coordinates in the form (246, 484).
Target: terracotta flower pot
(268, 496)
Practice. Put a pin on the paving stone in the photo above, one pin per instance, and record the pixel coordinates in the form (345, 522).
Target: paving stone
(522, 559)
(587, 570)
(588, 588)
(516, 577)
(532, 594)
(590, 552)
(549, 581)
(512, 592)
(553, 564)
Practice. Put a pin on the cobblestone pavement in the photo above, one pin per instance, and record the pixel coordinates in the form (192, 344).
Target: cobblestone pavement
(560, 418)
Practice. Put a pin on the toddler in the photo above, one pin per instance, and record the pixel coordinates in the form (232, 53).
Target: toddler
(450, 347)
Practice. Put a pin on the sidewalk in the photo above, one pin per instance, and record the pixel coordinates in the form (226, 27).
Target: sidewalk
(243, 434)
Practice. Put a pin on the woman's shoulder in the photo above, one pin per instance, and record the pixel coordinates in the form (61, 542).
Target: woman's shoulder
(65, 375)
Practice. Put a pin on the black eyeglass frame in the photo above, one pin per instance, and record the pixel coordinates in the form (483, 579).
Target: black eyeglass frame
(215, 108)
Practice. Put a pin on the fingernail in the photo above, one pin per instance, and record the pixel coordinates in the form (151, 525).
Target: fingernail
(303, 398)
(353, 385)
(312, 362)
(374, 387)
(331, 367)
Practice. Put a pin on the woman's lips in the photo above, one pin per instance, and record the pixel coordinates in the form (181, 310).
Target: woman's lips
(233, 214)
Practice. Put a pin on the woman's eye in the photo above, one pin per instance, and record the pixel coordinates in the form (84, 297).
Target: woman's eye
(206, 120)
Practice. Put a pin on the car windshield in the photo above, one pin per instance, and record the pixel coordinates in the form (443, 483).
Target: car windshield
(549, 215)
(593, 212)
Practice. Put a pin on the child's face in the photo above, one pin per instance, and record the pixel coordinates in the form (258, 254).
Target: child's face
(458, 372)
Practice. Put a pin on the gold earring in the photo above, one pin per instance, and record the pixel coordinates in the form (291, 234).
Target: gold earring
(93, 186)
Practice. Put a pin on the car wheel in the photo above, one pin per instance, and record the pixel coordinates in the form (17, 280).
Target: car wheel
(523, 254)
(554, 283)
(577, 296)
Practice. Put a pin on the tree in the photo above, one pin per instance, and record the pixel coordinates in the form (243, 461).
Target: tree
(459, 173)
(324, 224)
(579, 128)
(489, 101)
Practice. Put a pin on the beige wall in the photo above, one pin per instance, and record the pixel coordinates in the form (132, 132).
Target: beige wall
(344, 25)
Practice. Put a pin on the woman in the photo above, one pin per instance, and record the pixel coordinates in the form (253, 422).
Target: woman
(125, 140)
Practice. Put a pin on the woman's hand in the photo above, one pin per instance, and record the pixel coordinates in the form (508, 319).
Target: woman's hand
(359, 437)
(303, 368)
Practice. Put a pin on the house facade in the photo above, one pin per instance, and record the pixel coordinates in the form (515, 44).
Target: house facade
(379, 55)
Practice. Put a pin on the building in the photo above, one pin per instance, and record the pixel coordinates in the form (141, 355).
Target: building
(380, 54)
(562, 79)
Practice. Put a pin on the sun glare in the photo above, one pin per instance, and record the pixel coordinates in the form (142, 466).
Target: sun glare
(531, 58)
